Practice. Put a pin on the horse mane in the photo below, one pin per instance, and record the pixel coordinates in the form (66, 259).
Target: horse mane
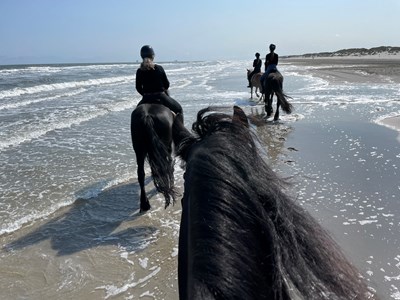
(252, 241)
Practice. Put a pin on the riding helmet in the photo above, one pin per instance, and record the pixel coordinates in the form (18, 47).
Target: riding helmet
(257, 54)
(147, 52)
(272, 47)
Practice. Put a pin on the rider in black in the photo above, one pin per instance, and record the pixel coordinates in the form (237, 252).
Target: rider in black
(152, 82)
(271, 61)
(257, 67)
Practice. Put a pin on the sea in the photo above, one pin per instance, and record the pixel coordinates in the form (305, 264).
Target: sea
(65, 140)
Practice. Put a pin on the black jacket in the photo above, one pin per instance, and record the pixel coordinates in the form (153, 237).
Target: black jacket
(151, 81)
(257, 65)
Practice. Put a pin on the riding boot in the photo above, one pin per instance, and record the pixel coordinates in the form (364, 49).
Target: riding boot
(249, 86)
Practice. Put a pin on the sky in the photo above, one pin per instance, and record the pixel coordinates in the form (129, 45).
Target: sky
(79, 31)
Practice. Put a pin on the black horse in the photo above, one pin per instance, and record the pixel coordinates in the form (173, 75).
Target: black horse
(151, 132)
(274, 84)
(241, 235)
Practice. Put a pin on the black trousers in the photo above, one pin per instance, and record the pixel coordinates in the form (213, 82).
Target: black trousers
(164, 99)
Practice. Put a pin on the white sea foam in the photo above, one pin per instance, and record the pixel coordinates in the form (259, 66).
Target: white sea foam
(65, 85)
(32, 101)
(51, 126)
(86, 194)
(364, 222)
(380, 120)
(95, 190)
(143, 262)
(60, 68)
(112, 290)
(9, 227)
(174, 252)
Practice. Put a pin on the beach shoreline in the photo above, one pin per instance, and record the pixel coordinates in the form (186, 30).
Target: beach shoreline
(353, 69)
(343, 168)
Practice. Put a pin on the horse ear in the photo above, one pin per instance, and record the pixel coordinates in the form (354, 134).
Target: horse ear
(240, 116)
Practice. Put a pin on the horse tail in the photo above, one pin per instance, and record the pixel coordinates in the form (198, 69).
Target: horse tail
(282, 97)
(160, 161)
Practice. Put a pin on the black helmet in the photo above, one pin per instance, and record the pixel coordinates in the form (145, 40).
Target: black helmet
(257, 54)
(272, 47)
(147, 52)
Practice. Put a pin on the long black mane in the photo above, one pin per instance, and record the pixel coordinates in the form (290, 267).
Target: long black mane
(242, 236)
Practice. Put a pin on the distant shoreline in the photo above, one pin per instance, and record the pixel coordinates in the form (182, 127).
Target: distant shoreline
(375, 52)
(345, 57)
(383, 69)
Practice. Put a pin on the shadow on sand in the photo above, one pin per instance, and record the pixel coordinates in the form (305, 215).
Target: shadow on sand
(94, 222)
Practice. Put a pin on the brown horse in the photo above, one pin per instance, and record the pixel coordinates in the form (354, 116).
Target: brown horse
(256, 83)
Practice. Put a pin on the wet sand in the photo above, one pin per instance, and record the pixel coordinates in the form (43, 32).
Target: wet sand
(348, 172)
(140, 250)
(79, 254)
(356, 70)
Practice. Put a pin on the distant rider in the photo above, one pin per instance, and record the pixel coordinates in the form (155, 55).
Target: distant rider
(152, 82)
(271, 61)
(257, 63)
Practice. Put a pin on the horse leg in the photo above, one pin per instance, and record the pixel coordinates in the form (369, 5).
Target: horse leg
(278, 103)
(144, 201)
(262, 97)
(268, 106)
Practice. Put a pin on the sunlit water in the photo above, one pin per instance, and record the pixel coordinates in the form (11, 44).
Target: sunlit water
(64, 136)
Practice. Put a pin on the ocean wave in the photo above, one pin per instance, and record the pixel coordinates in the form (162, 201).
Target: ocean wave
(64, 85)
(60, 68)
(33, 101)
(88, 193)
(382, 120)
(84, 116)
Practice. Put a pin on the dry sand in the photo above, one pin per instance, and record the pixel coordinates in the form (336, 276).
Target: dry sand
(365, 70)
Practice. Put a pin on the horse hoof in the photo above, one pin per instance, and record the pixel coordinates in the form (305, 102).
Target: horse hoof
(145, 207)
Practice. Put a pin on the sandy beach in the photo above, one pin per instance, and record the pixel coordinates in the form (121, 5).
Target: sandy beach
(382, 69)
(344, 171)
(353, 69)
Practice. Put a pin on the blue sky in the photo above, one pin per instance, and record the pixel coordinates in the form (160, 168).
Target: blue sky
(51, 31)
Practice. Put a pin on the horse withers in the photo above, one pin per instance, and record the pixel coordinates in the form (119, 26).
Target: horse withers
(242, 236)
(151, 132)
(255, 83)
(274, 84)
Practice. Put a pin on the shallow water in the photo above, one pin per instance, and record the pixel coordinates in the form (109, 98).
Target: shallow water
(69, 197)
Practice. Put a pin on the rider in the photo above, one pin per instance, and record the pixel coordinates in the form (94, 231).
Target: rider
(271, 61)
(257, 67)
(152, 82)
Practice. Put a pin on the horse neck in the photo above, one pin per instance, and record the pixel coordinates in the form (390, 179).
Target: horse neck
(183, 139)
